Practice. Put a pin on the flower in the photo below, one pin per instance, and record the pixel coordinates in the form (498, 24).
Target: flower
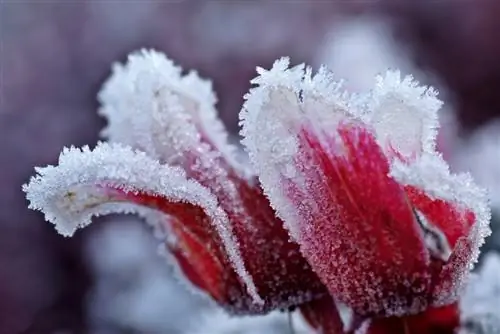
(374, 215)
(168, 160)
(359, 185)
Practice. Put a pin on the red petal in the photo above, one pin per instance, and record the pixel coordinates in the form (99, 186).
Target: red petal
(456, 224)
(453, 222)
(362, 240)
(323, 316)
(444, 320)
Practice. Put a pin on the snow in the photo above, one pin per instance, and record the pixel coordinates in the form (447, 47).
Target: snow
(480, 305)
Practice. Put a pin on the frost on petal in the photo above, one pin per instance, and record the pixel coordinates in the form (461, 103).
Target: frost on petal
(480, 305)
(113, 178)
(452, 202)
(404, 114)
(284, 99)
(331, 188)
(453, 206)
(150, 105)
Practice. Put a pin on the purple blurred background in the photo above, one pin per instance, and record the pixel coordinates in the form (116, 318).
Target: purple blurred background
(55, 55)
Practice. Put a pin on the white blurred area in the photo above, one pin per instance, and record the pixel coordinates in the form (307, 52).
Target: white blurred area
(358, 49)
(135, 290)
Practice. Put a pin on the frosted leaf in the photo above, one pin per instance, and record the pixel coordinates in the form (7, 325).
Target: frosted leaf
(480, 305)
(151, 106)
(284, 100)
(111, 179)
(404, 114)
(431, 174)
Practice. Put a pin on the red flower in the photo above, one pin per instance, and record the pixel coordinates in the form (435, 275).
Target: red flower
(359, 185)
(209, 211)
(381, 223)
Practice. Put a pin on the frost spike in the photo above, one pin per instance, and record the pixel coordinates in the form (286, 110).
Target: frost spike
(151, 106)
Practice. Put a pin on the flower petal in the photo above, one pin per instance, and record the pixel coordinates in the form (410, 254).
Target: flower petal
(403, 114)
(453, 206)
(113, 178)
(150, 106)
(181, 113)
(272, 116)
(327, 178)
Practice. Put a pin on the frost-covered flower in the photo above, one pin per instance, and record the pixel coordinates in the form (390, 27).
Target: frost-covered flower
(360, 187)
(169, 161)
(354, 180)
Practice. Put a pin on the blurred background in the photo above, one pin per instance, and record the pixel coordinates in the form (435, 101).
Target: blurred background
(54, 55)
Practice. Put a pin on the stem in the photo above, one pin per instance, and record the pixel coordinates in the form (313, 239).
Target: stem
(290, 323)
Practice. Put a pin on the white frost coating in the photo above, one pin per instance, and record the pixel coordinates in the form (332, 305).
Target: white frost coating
(285, 99)
(151, 106)
(404, 114)
(80, 187)
(480, 305)
(431, 174)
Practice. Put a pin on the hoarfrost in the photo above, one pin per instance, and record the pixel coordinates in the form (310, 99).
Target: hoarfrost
(273, 114)
(84, 185)
(431, 174)
(404, 114)
(150, 105)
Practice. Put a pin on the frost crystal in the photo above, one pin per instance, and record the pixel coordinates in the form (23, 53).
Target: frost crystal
(102, 181)
(431, 174)
(150, 105)
(404, 114)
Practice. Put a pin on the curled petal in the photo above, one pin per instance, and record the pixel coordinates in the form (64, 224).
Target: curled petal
(172, 117)
(403, 114)
(453, 203)
(151, 106)
(113, 178)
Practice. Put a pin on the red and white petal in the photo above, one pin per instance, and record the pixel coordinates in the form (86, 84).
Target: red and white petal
(113, 178)
(403, 114)
(331, 187)
(452, 203)
(453, 206)
(272, 116)
(151, 106)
